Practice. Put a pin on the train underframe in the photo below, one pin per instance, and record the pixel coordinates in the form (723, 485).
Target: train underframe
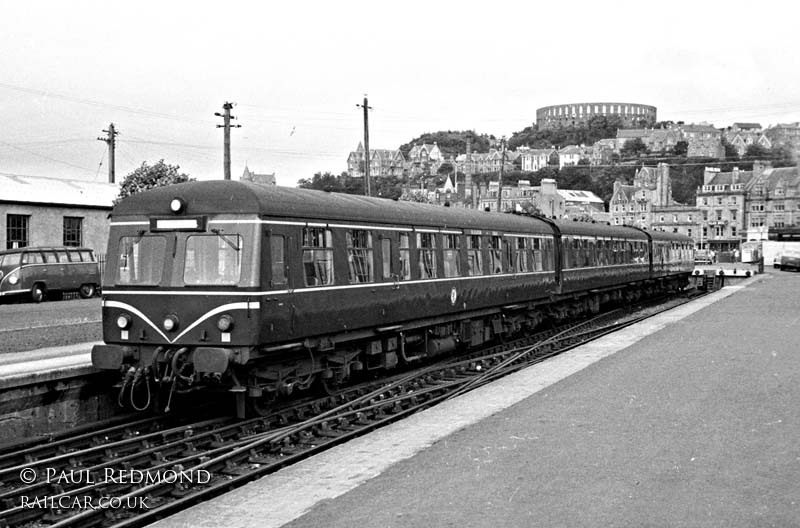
(258, 377)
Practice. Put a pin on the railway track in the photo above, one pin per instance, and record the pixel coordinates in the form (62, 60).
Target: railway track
(153, 468)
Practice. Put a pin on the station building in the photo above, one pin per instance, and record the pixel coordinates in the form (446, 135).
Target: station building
(37, 211)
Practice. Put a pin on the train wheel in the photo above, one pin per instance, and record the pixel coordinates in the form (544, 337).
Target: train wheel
(87, 291)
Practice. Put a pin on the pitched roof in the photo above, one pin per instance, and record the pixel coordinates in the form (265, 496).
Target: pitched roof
(726, 178)
(630, 133)
(579, 196)
(570, 149)
(56, 191)
(627, 192)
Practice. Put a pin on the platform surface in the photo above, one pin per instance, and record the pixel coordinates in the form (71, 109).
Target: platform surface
(688, 419)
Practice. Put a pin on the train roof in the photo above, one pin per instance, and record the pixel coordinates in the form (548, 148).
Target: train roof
(234, 197)
(599, 229)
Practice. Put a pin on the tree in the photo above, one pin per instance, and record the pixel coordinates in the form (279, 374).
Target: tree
(149, 177)
(445, 168)
(756, 151)
(633, 148)
(731, 154)
(681, 148)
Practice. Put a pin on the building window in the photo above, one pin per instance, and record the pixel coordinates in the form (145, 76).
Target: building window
(73, 232)
(17, 231)
(733, 230)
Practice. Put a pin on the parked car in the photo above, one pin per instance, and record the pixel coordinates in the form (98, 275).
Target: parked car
(42, 272)
(776, 262)
(702, 256)
(790, 260)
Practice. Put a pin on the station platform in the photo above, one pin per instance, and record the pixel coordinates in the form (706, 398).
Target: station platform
(687, 419)
(46, 364)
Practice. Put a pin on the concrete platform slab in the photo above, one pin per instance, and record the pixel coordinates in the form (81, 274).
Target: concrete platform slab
(683, 420)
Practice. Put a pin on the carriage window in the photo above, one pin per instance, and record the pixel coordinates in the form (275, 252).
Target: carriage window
(452, 264)
(74, 256)
(495, 263)
(569, 257)
(213, 259)
(538, 254)
(405, 258)
(278, 260)
(386, 257)
(359, 256)
(141, 260)
(62, 256)
(426, 245)
(50, 257)
(87, 256)
(548, 261)
(474, 261)
(521, 255)
(317, 256)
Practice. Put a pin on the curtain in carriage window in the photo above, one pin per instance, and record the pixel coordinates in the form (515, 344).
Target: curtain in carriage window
(359, 256)
(474, 260)
(450, 255)
(317, 256)
(426, 246)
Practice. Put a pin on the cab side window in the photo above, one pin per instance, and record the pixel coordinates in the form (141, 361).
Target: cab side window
(277, 259)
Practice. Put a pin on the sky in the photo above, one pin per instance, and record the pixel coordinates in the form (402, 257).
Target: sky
(296, 71)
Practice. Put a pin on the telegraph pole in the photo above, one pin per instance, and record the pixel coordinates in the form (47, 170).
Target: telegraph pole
(500, 176)
(111, 142)
(226, 119)
(366, 108)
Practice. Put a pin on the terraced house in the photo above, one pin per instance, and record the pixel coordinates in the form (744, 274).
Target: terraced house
(742, 135)
(382, 162)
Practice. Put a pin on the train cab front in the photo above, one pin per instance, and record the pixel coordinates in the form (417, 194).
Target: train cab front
(180, 302)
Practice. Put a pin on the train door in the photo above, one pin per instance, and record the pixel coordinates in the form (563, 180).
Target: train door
(278, 249)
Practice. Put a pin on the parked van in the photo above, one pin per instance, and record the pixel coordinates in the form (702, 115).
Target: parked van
(43, 272)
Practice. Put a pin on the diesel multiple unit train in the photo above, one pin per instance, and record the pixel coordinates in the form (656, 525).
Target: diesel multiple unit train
(231, 286)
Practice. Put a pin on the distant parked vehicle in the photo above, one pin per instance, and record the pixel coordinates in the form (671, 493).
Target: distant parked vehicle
(776, 262)
(702, 256)
(790, 260)
(48, 272)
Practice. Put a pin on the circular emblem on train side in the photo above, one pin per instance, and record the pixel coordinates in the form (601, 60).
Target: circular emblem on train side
(453, 296)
